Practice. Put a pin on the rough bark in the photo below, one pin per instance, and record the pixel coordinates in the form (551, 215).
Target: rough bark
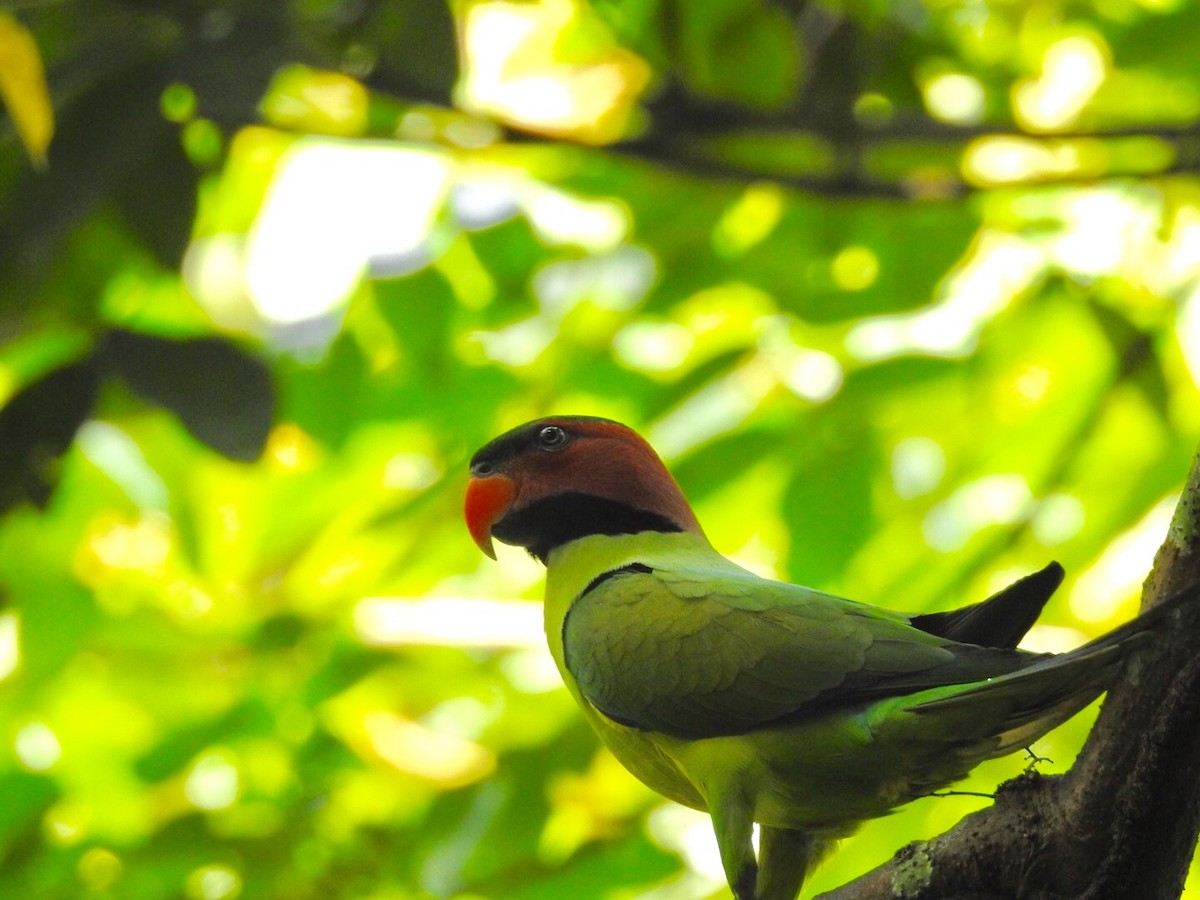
(1123, 822)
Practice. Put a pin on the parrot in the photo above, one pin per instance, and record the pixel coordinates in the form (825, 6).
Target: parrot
(757, 701)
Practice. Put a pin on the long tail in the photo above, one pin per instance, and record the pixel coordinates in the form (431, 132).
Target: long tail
(1021, 706)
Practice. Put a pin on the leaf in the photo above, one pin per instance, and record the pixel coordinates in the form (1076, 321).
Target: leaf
(741, 50)
(159, 203)
(23, 87)
(36, 428)
(429, 66)
(223, 396)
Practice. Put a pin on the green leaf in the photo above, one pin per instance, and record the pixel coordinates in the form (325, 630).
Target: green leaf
(36, 428)
(222, 395)
(743, 50)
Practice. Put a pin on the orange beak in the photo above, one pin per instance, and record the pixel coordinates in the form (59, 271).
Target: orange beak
(488, 499)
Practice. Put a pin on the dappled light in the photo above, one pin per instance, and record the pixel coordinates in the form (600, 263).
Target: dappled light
(906, 295)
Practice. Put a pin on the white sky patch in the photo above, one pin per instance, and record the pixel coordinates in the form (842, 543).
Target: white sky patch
(1000, 266)
(1117, 576)
(332, 210)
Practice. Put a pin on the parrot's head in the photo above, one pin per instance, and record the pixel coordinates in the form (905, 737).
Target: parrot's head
(553, 480)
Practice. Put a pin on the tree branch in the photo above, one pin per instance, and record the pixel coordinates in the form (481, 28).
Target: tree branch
(1124, 821)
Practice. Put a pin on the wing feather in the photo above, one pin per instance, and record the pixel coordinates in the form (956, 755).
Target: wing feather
(699, 653)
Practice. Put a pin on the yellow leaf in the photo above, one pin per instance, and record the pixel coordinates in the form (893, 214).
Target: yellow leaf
(23, 87)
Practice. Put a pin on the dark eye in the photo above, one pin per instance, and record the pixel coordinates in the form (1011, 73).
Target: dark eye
(552, 438)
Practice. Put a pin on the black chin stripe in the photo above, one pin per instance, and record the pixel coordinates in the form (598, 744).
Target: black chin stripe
(554, 521)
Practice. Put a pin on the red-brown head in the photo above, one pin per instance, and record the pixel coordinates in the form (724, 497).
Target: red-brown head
(553, 480)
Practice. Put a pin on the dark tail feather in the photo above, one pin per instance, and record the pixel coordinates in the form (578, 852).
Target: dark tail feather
(1034, 699)
(1001, 620)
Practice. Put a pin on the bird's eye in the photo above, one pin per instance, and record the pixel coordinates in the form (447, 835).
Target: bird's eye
(552, 438)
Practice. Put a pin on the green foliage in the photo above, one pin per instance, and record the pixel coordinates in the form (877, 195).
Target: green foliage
(909, 310)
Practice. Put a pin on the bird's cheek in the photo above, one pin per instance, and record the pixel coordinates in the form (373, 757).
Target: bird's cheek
(487, 502)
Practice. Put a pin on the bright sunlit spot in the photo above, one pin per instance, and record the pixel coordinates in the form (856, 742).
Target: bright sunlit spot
(115, 545)
(1115, 579)
(1001, 499)
(215, 882)
(918, 464)
(689, 833)
(445, 759)
(807, 372)
(449, 621)
(212, 782)
(410, 472)
(559, 217)
(517, 70)
(334, 211)
(1102, 228)
(956, 98)
(119, 457)
(10, 645)
(37, 747)
(99, 868)
(1003, 159)
(1189, 333)
(1072, 70)
(749, 219)
(855, 268)
(653, 346)
(1058, 518)
(998, 267)
(615, 280)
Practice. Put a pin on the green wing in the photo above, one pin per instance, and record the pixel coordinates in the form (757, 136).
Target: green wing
(699, 652)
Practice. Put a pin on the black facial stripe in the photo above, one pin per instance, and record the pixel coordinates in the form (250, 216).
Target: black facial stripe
(554, 521)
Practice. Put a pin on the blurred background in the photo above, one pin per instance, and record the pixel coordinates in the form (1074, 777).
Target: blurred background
(907, 293)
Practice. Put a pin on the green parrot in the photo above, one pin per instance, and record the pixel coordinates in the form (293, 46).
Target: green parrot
(755, 700)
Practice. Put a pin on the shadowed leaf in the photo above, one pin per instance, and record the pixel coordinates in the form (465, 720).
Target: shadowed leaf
(223, 396)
